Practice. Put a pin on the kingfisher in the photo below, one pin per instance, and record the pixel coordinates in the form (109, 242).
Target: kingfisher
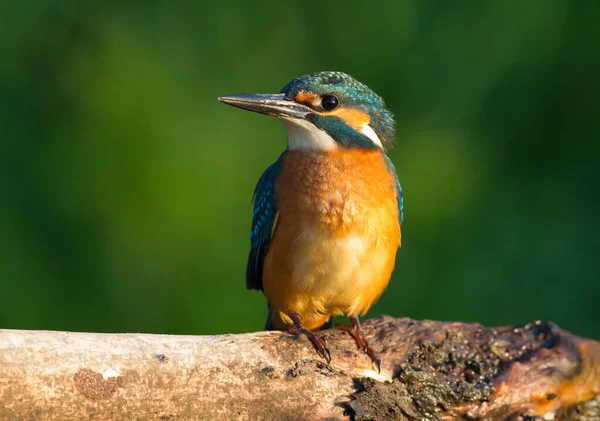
(327, 216)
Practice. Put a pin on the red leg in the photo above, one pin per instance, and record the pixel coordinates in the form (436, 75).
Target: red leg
(356, 332)
(317, 341)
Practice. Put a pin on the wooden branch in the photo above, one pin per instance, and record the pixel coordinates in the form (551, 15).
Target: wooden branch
(431, 370)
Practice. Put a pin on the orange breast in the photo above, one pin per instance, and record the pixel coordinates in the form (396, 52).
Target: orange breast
(335, 240)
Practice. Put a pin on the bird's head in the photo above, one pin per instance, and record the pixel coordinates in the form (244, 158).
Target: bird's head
(325, 110)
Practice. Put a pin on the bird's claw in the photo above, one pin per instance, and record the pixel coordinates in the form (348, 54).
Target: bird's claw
(318, 341)
(375, 361)
(325, 354)
(356, 332)
(320, 346)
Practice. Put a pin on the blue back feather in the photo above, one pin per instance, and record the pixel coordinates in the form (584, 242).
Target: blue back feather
(263, 218)
(399, 196)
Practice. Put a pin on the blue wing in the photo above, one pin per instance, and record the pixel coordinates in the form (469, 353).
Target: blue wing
(399, 196)
(263, 218)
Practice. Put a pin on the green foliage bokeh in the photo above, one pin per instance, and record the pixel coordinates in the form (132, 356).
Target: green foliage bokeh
(125, 185)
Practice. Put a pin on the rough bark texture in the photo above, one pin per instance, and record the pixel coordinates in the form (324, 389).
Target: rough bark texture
(431, 370)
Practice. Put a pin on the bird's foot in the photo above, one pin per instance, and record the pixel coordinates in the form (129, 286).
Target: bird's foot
(317, 341)
(356, 332)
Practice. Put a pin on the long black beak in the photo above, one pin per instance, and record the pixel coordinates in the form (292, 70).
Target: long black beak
(270, 104)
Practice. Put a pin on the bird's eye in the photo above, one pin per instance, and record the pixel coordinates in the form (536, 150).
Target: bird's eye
(330, 102)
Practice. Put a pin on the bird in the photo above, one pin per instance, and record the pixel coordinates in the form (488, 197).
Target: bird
(327, 214)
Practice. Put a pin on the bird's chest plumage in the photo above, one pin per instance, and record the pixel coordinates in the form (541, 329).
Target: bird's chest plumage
(336, 234)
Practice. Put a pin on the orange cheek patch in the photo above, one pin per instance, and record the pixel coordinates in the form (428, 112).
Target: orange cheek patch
(353, 117)
(306, 97)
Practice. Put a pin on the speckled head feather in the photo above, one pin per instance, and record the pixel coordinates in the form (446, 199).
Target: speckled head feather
(352, 94)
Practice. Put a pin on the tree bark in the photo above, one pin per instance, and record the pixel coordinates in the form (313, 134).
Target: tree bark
(430, 370)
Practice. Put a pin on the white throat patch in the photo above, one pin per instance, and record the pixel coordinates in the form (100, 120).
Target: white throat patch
(306, 136)
(370, 133)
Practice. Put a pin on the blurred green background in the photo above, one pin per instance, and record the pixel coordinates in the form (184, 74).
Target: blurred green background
(125, 185)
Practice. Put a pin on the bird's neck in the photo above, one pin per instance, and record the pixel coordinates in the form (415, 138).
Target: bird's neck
(304, 136)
